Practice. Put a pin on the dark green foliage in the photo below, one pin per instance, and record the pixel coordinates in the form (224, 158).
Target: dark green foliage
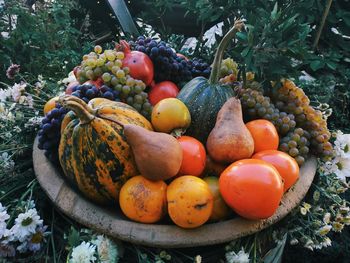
(46, 41)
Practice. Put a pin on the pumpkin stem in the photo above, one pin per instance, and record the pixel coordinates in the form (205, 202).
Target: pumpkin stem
(79, 109)
(77, 100)
(215, 72)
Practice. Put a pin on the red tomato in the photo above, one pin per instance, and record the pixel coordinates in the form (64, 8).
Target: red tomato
(193, 158)
(162, 90)
(139, 64)
(252, 188)
(264, 134)
(286, 165)
(70, 86)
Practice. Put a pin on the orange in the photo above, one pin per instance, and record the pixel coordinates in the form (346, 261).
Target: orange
(264, 134)
(190, 201)
(286, 165)
(193, 156)
(50, 105)
(143, 200)
(220, 209)
(252, 188)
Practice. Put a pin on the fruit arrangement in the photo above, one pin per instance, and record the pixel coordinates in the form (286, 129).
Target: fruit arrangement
(128, 133)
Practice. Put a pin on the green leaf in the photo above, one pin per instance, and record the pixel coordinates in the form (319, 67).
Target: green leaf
(316, 64)
(274, 12)
(74, 237)
(331, 65)
(275, 254)
(245, 52)
(241, 36)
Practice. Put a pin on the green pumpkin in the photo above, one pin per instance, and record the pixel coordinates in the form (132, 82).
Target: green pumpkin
(205, 97)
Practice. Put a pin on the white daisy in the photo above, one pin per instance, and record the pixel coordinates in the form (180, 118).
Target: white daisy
(240, 257)
(343, 170)
(3, 217)
(342, 145)
(107, 249)
(26, 224)
(84, 253)
(17, 91)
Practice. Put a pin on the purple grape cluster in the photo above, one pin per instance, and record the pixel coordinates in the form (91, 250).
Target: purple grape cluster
(167, 64)
(87, 92)
(49, 133)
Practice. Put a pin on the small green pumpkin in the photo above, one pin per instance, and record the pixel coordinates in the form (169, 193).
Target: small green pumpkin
(204, 98)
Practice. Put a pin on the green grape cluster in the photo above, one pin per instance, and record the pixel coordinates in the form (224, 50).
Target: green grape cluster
(107, 66)
(292, 99)
(296, 143)
(256, 106)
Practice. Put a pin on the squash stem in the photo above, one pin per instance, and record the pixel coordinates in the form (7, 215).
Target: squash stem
(84, 115)
(215, 72)
(77, 100)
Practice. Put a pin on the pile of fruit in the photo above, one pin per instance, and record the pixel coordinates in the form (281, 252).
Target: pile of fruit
(194, 153)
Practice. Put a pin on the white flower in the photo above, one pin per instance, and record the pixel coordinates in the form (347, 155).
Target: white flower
(324, 230)
(107, 249)
(329, 167)
(6, 162)
(17, 90)
(4, 94)
(33, 122)
(84, 253)
(26, 224)
(342, 145)
(71, 77)
(3, 217)
(326, 218)
(240, 257)
(343, 168)
(326, 242)
(309, 245)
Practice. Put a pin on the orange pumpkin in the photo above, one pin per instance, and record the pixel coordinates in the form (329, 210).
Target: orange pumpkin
(190, 201)
(143, 200)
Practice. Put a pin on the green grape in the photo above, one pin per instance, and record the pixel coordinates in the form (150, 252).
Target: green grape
(91, 62)
(90, 74)
(130, 81)
(138, 99)
(126, 70)
(304, 150)
(98, 71)
(118, 63)
(85, 57)
(106, 77)
(300, 160)
(120, 74)
(292, 144)
(110, 55)
(144, 95)
(137, 106)
(100, 62)
(130, 100)
(126, 90)
(98, 49)
(284, 147)
(138, 89)
(115, 69)
(118, 87)
(109, 65)
(122, 80)
(120, 55)
(114, 81)
(147, 106)
(293, 152)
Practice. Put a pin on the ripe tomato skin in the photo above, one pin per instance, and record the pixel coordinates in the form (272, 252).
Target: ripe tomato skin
(252, 188)
(264, 134)
(162, 90)
(194, 156)
(170, 114)
(286, 165)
